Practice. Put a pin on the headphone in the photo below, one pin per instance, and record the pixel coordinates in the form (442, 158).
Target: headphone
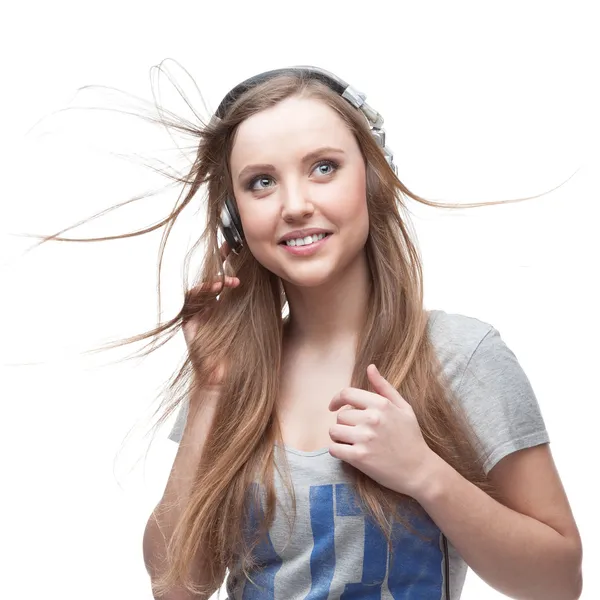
(231, 225)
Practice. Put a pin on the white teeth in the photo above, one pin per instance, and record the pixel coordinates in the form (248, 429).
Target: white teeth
(309, 239)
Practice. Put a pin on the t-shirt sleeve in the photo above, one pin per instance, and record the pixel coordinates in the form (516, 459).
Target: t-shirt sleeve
(500, 402)
(176, 432)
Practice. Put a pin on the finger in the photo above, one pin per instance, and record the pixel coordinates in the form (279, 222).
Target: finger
(228, 282)
(215, 286)
(353, 417)
(383, 387)
(224, 250)
(356, 398)
(345, 452)
(343, 434)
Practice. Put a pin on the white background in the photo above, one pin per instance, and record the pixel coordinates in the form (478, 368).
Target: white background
(482, 101)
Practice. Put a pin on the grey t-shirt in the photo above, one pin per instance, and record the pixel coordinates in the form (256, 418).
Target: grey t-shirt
(333, 552)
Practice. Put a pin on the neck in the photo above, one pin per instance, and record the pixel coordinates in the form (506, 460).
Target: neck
(332, 313)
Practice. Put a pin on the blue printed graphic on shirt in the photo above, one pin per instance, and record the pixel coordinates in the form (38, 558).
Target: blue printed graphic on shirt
(412, 571)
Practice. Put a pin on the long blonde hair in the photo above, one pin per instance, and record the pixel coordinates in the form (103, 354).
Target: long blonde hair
(245, 329)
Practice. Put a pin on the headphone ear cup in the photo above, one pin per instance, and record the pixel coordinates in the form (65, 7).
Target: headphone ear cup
(379, 137)
(231, 226)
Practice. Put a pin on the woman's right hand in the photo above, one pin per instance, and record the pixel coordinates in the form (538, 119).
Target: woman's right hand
(191, 325)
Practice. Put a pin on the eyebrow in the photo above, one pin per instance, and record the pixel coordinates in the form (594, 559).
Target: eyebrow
(267, 168)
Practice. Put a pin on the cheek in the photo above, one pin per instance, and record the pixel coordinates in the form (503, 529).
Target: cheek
(257, 222)
(353, 211)
(259, 231)
(360, 225)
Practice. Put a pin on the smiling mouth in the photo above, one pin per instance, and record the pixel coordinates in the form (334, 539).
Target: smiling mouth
(306, 241)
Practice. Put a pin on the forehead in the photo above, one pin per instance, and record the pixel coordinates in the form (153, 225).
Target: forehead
(294, 126)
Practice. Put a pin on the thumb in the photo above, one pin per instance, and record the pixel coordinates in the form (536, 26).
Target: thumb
(382, 386)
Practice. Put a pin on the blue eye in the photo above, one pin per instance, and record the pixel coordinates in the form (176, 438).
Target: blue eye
(263, 180)
(326, 167)
(259, 183)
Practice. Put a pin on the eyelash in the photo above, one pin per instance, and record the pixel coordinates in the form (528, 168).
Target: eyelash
(331, 163)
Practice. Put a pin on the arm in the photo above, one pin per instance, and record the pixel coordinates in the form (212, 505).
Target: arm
(528, 547)
(163, 519)
(202, 403)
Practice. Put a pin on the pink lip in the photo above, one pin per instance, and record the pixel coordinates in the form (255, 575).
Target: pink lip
(306, 250)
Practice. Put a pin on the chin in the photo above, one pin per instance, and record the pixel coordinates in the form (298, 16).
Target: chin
(299, 275)
(305, 272)
(306, 282)
(309, 275)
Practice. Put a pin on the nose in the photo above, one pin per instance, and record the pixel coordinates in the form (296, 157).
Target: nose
(295, 202)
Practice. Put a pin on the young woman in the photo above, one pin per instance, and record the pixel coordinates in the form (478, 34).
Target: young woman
(358, 446)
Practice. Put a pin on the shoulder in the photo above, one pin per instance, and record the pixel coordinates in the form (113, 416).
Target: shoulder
(456, 329)
(456, 338)
(489, 383)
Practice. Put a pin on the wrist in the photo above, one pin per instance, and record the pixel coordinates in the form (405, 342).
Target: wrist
(429, 482)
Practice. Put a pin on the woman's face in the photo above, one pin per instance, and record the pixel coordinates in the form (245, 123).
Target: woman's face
(297, 166)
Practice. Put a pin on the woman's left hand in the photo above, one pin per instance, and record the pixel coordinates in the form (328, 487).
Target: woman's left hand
(381, 437)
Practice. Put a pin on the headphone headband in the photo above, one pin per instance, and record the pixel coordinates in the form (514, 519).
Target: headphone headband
(345, 90)
(330, 80)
